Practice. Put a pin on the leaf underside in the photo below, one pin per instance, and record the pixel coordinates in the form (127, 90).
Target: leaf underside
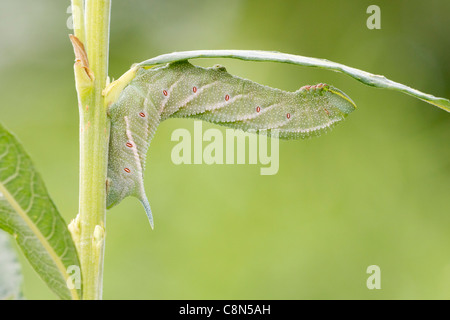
(28, 213)
(10, 273)
(367, 78)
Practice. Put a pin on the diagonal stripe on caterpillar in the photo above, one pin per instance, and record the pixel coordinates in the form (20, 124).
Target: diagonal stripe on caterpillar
(182, 90)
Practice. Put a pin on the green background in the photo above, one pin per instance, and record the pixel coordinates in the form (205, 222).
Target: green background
(373, 191)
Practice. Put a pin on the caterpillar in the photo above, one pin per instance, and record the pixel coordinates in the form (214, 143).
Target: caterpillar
(181, 89)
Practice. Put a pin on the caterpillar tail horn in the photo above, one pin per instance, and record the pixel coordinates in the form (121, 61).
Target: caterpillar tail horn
(148, 210)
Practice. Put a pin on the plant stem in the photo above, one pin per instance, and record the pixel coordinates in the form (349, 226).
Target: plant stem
(91, 78)
(78, 19)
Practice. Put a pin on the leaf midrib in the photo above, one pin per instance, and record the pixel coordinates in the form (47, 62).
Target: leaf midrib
(16, 206)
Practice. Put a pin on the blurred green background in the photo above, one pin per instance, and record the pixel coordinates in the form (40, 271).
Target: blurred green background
(373, 191)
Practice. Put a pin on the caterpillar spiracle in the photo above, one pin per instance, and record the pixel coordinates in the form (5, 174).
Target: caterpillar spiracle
(181, 89)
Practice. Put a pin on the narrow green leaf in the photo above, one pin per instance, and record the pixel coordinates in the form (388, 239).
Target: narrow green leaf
(28, 213)
(10, 274)
(367, 78)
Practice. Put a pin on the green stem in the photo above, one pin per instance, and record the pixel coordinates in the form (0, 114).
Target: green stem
(91, 78)
(78, 19)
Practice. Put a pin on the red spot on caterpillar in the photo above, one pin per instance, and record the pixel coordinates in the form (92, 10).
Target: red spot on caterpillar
(306, 87)
(194, 89)
(165, 93)
(142, 114)
(258, 109)
(127, 170)
(129, 145)
(288, 115)
(326, 111)
(227, 97)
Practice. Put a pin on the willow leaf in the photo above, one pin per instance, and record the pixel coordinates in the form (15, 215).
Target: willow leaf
(367, 78)
(28, 213)
(10, 273)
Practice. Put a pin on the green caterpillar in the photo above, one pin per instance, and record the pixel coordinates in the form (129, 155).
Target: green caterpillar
(182, 90)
